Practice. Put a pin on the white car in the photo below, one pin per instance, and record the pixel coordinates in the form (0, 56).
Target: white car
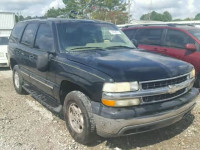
(4, 51)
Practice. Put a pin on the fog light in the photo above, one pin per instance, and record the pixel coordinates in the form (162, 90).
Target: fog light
(121, 103)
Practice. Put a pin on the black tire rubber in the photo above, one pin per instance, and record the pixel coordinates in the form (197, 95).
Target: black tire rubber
(19, 90)
(197, 82)
(89, 131)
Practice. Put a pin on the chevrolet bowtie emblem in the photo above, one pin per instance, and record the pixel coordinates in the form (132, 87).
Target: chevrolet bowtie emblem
(174, 88)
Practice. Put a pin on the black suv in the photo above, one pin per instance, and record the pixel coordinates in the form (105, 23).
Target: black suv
(104, 85)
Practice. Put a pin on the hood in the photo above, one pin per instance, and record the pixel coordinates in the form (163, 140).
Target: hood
(132, 65)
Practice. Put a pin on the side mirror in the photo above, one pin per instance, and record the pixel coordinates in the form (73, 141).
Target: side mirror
(43, 62)
(191, 47)
(135, 42)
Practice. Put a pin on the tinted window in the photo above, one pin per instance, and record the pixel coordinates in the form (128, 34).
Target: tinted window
(44, 38)
(17, 32)
(81, 35)
(29, 34)
(149, 36)
(196, 33)
(3, 40)
(130, 33)
(177, 39)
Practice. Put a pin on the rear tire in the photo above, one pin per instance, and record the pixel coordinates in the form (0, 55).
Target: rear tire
(79, 118)
(18, 80)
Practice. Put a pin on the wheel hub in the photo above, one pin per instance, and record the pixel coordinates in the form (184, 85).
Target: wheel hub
(16, 79)
(76, 118)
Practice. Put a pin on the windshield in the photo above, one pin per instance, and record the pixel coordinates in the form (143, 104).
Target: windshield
(90, 36)
(196, 33)
(3, 40)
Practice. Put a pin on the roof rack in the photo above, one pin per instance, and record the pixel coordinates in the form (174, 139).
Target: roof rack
(162, 24)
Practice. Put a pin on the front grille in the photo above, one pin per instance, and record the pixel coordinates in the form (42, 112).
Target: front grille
(159, 84)
(157, 98)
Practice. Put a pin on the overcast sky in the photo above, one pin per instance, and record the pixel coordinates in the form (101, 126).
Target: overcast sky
(178, 8)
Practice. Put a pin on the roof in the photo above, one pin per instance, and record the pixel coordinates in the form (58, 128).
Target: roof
(179, 26)
(65, 20)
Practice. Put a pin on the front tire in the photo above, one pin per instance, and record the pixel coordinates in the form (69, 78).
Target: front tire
(79, 118)
(18, 80)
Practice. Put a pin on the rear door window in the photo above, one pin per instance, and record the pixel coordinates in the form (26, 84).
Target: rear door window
(177, 39)
(149, 36)
(17, 32)
(29, 34)
(44, 38)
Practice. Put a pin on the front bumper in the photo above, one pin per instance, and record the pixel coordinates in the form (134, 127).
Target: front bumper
(4, 63)
(111, 122)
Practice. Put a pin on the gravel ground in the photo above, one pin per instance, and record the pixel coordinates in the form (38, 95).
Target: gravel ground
(27, 125)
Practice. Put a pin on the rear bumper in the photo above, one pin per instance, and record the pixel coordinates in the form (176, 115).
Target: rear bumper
(4, 62)
(110, 125)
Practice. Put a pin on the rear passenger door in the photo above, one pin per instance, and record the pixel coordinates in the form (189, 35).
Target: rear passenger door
(150, 39)
(174, 43)
(37, 40)
(26, 47)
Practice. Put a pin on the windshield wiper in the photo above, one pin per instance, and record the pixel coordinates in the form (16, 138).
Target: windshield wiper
(86, 48)
(120, 46)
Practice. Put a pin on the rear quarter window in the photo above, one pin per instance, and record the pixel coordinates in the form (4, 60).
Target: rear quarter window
(17, 32)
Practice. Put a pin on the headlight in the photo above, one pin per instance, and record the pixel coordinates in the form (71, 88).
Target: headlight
(121, 87)
(192, 74)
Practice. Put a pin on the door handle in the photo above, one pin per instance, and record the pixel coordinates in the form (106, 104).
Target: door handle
(164, 50)
(18, 52)
(31, 57)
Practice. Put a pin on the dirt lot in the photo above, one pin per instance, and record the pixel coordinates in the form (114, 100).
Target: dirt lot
(25, 125)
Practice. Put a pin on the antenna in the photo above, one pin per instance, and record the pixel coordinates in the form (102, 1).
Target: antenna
(151, 7)
(129, 11)
(57, 3)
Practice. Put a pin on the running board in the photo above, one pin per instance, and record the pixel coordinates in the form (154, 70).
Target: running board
(47, 101)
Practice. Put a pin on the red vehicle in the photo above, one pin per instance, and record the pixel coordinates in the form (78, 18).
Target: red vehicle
(181, 42)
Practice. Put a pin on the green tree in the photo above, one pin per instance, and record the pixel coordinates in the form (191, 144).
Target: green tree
(177, 20)
(116, 17)
(19, 18)
(197, 17)
(188, 19)
(166, 16)
(108, 10)
(156, 16)
(146, 17)
(79, 8)
(53, 13)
